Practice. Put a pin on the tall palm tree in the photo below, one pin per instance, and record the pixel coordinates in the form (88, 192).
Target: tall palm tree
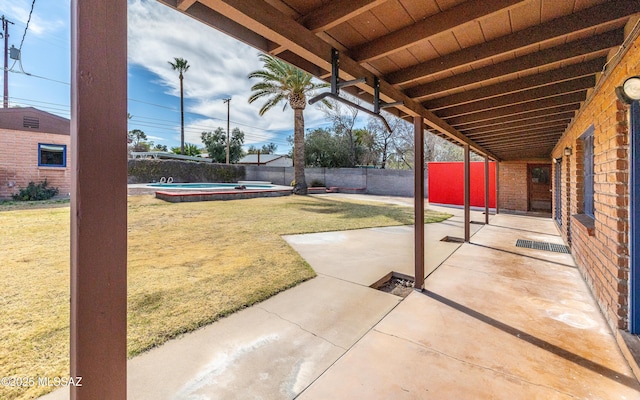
(281, 81)
(181, 65)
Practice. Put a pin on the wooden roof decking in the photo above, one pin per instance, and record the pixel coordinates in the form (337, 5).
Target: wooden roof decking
(504, 76)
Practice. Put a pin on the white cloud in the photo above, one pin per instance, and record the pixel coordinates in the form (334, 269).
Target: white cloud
(219, 66)
(18, 11)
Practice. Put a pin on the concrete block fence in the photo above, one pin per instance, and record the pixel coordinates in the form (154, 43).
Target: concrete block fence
(376, 181)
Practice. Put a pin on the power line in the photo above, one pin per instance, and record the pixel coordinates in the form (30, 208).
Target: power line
(33, 3)
(157, 105)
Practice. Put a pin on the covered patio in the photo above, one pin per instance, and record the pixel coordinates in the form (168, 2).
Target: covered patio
(518, 82)
(494, 321)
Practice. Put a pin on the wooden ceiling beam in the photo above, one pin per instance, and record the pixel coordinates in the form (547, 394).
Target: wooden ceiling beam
(598, 44)
(582, 20)
(520, 124)
(550, 139)
(218, 21)
(523, 136)
(575, 85)
(529, 129)
(336, 12)
(460, 14)
(499, 121)
(529, 82)
(183, 5)
(275, 26)
(552, 102)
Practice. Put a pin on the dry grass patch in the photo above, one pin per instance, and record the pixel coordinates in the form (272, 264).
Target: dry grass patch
(189, 264)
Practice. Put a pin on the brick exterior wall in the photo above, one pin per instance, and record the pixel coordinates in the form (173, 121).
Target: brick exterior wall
(19, 161)
(600, 245)
(514, 192)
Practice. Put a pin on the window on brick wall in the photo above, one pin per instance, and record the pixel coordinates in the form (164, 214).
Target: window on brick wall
(587, 138)
(52, 155)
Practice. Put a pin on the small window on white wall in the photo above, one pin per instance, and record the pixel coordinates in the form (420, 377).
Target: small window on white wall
(588, 162)
(52, 155)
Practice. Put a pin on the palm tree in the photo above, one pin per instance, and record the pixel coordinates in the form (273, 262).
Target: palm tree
(181, 65)
(281, 81)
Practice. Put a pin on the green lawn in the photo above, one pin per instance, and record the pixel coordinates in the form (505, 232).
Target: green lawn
(189, 264)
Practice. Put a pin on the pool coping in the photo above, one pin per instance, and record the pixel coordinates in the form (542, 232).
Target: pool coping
(178, 196)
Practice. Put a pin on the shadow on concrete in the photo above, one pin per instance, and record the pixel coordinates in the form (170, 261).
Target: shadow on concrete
(542, 344)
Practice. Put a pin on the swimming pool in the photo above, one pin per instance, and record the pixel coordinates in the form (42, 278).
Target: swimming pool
(205, 191)
(212, 186)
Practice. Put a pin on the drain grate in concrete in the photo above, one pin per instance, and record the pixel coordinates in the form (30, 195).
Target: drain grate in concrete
(452, 239)
(395, 283)
(530, 244)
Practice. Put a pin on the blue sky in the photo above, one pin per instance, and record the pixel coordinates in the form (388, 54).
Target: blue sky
(219, 69)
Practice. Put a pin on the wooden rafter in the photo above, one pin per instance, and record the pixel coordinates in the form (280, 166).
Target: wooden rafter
(580, 21)
(429, 27)
(183, 5)
(525, 116)
(336, 12)
(552, 102)
(575, 85)
(522, 134)
(267, 21)
(574, 71)
(550, 127)
(520, 124)
(593, 45)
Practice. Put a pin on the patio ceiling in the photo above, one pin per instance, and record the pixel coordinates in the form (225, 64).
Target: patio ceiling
(503, 76)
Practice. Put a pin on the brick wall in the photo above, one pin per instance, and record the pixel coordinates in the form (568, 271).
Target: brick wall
(19, 162)
(600, 244)
(513, 186)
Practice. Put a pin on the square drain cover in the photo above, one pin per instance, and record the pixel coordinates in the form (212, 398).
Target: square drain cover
(530, 244)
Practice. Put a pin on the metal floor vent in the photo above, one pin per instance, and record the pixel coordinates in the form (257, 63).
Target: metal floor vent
(530, 244)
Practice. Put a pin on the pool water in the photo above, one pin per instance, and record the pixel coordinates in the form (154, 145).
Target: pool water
(218, 186)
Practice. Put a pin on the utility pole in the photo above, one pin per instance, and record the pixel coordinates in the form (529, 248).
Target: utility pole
(228, 101)
(5, 29)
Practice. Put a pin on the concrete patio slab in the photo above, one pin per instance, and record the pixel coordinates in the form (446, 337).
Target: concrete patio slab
(364, 256)
(495, 322)
(491, 323)
(269, 351)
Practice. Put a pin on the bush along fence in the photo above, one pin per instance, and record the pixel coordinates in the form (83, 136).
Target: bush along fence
(146, 171)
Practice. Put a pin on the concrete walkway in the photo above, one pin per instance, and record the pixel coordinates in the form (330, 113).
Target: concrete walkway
(496, 321)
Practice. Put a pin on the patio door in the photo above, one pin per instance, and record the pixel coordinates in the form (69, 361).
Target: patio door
(540, 187)
(558, 194)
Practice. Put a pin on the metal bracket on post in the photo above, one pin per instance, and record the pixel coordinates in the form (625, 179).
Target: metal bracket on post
(335, 91)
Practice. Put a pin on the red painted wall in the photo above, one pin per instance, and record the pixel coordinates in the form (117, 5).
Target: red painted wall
(446, 183)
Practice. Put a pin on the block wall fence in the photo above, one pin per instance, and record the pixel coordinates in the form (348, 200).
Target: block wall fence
(600, 244)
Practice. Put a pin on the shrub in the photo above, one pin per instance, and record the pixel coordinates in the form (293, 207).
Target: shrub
(316, 183)
(36, 191)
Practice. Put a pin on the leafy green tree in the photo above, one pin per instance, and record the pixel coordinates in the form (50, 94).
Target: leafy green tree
(280, 81)
(216, 144)
(139, 140)
(160, 147)
(368, 148)
(343, 119)
(190, 149)
(265, 149)
(137, 136)
(181, 65)
(324, 148)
